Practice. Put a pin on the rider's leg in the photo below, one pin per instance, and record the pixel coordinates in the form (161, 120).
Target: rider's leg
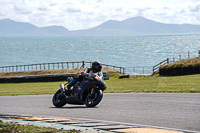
(74, 81)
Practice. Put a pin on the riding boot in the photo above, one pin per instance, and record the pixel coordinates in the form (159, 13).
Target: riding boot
(68, 91)
(68, 87)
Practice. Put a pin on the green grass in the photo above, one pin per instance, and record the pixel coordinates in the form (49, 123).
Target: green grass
(179, 84)
(29, 88)
(17, 128)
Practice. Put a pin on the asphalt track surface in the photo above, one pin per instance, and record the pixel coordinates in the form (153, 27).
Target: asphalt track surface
(170, 110)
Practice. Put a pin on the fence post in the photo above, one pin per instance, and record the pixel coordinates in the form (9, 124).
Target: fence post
(83, 64)
(62, 65)
(44, 66)
(199, 53)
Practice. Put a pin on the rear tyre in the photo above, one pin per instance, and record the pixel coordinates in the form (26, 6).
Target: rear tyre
(59, 99)
(92, 101)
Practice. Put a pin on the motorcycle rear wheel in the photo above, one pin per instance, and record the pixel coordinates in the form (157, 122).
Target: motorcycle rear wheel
(93, 101)
(58, 100)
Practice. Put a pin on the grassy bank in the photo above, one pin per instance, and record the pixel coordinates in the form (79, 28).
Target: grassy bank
(193, 62)
(182, 67)
(179, 84)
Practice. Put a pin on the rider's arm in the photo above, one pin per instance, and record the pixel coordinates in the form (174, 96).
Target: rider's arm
(85, 71)
(100, 74)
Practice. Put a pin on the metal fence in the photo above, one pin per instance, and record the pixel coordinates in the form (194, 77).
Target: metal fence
(53, 66)
(134, 71)
(139, 71)
(156, 67)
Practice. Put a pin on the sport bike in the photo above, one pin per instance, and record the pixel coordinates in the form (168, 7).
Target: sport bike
(88, 91)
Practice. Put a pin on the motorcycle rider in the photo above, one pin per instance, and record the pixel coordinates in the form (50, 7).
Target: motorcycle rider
(90, 72)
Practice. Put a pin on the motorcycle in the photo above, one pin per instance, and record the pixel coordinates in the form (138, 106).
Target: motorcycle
(88, 91)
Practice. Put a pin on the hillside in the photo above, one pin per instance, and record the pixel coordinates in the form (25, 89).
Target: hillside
(131, 26)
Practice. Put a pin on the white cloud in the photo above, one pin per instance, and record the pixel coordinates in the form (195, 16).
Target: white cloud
(82, 14)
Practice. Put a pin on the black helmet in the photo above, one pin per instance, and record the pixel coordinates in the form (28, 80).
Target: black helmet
(96, 66)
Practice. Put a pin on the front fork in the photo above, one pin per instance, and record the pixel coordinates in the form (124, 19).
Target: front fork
(62, 88)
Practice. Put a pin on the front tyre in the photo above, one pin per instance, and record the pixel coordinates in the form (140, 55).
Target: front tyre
(59, 99)
(92, 101)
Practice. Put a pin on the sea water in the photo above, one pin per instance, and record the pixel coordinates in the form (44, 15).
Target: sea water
(124, 51)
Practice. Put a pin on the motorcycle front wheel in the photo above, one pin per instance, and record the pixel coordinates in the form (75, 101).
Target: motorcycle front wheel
(92, 101)
(59, 99)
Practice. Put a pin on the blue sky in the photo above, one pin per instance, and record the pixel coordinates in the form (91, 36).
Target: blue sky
(83, 14)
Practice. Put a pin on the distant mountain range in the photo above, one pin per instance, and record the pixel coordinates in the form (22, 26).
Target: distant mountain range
(11, 28)
(131, 26)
